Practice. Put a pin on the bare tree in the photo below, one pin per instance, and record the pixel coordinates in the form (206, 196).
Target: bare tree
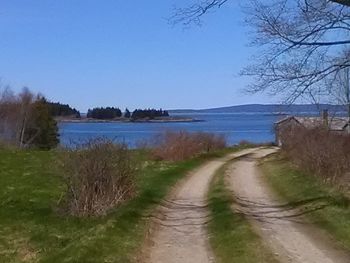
(342, 2)
(25, 120)
(193, 13)
(340, 89)
(302, 45)
(15, 113)
(26, 99)
(7, 115)
(300, 42)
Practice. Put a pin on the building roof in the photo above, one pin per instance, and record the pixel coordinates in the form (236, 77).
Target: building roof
(335, 123)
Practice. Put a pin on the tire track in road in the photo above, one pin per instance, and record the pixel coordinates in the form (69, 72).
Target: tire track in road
(281, 226)
(180, 235)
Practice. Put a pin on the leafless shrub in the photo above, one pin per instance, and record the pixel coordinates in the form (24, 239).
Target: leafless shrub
(99, 176)
(246, 143)
(177, 146)
(144, 144)
(320, 152)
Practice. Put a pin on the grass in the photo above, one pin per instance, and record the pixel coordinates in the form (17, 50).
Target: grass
(32, 230)
(231, 236)
(324, 205)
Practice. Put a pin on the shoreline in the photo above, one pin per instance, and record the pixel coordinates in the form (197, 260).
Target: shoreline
(122, 120)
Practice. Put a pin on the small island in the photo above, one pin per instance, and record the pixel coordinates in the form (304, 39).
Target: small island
(64, 113)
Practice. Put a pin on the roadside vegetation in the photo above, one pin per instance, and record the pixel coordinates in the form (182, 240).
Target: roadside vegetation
(31, 228)
(322, 203)
(231, 236)
(177, 146)
(99, 176)
(66, 212)
(319, 152)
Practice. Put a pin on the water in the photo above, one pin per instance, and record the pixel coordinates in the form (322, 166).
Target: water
(253, 127)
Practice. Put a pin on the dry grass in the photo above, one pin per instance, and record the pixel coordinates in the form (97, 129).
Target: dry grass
(99, 176)
(325, 205)
(320, 152)
(182, 145)
(248, 144)
(31, 228)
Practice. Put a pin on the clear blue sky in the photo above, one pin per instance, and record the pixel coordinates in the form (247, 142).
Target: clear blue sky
(123, 53)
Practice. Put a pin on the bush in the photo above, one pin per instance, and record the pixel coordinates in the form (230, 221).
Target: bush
(245, 143)
(320, 152)
(177, 146)
(99, 176)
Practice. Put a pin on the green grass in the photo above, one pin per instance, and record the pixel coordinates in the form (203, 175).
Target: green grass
(231, 235)
(32, 230)
(324, 205)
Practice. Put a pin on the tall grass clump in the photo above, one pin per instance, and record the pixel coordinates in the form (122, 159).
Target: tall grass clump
(320, 152)
(182, 145)
(99, 176)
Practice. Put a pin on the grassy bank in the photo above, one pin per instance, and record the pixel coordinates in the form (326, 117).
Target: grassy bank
(321, 203)
(31, 230)
(231, 235)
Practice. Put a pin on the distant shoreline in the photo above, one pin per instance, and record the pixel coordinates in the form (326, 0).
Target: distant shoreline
(124, 120)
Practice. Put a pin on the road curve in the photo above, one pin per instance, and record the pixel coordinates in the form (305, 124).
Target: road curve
(281, 226)
(180, 235)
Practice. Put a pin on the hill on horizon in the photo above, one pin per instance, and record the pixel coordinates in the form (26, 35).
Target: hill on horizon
(269, 108)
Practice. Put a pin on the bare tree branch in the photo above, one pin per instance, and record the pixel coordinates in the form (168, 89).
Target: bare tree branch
(342, 2)
(192, 14)
(300, 43)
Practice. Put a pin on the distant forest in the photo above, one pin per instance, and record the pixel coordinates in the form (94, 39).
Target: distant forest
(149, 113)
(104, 113)
(112, 113)
(62, 110)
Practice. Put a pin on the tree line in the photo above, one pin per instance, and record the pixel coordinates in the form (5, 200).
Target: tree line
(149, 113)
(62, 110)
(27, 119)
(104, 113)
(112, 113)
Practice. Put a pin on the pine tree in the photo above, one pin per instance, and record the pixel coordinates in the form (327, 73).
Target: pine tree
(127, 113)
(43, 131)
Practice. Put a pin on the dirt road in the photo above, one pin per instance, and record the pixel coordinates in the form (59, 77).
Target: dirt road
(180, 235)
(280, 225)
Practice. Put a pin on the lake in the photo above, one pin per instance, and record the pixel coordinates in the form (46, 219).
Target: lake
(254, 127)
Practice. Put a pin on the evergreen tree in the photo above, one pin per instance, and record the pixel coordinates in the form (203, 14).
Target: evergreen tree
(149, 113)
(127, 113)
(104, 113)
(42, 131)
(60, 110)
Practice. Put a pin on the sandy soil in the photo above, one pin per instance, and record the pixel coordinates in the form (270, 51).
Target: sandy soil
(180, 234)
(280, 225)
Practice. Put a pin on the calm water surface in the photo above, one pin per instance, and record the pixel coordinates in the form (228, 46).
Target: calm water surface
(255, 127)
